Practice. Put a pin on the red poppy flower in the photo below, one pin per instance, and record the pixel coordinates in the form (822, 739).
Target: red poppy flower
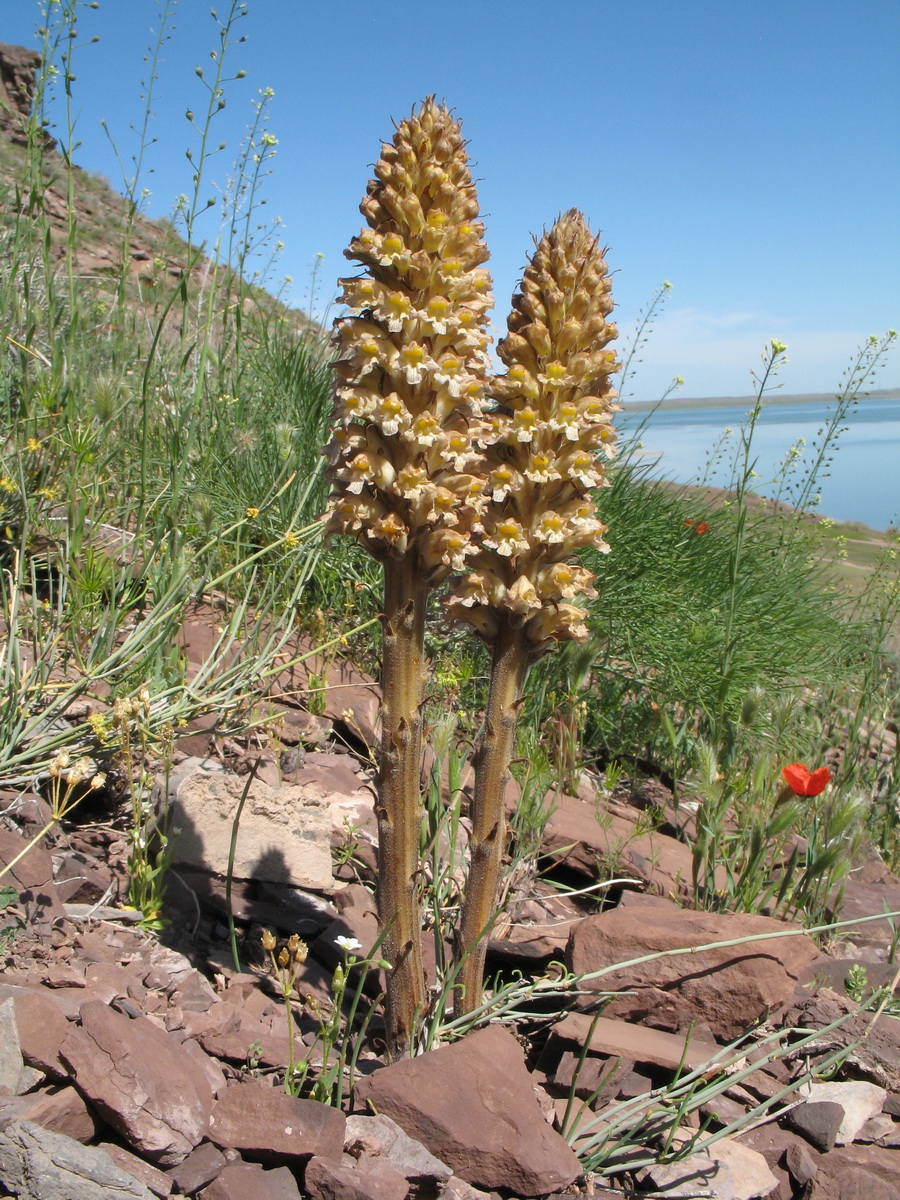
(803, 782)
(688, 523)
(702, 528)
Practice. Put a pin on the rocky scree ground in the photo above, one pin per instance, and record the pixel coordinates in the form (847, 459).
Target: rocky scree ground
(143, 1064)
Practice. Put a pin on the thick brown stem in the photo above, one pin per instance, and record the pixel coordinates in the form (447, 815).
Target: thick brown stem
(402, 683)
(508, 667)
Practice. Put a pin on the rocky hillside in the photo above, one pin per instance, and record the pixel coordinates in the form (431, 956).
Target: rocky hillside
(111, 245)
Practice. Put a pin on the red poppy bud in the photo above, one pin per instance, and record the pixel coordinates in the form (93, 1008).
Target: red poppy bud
(803, 782)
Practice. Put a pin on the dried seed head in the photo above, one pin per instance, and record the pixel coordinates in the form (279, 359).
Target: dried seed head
(80, 769)
(297, 948)
(268, 940)
(412, 358)
(546, 444)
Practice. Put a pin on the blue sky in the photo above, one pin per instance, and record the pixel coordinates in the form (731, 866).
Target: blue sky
(745, 150)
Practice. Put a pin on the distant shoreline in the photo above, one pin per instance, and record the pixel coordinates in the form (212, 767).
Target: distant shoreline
(700, 402)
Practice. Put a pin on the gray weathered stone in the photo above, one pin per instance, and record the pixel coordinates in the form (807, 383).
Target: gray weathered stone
(11, 1063)
(858, 1099)
(727, 1171)
(284, 834)
(36, 1164)
(818, 1121)
(379, 1136)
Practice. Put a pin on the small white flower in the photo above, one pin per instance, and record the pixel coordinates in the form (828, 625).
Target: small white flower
(348, 944)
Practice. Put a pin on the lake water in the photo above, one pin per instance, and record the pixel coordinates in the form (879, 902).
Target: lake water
(861, 483)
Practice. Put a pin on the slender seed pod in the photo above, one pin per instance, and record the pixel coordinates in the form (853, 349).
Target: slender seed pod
(546, 444)
(412, 367)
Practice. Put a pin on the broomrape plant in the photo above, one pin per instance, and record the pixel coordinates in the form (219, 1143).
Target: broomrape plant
(545, 446)
(412, 369)
(436, 468)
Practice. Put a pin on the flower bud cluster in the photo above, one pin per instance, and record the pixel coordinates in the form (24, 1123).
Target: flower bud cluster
(412, 356)
(546, 445)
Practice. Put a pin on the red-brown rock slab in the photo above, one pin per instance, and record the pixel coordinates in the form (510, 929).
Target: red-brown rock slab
(215, 1076)
(249, 1181)
(473, 1105)
(32, 876)
(199, 1168)
(536, 928)
(800, 1164)
(724, 989)
(583, 837)
(107, 981)
(59, 1109)
(874, 1048)
(358, 919)
(857, 1173)
(248, 1044)
(866, 893)
(266, 1124)
(82, 879)
(151, 1177)
(624, 1040)
(224, 1017)
(595, 1075)
(193, 993)
(370, 1179)
(141, 1081)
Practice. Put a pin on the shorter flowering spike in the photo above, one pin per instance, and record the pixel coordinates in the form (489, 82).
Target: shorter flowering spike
(547, 442)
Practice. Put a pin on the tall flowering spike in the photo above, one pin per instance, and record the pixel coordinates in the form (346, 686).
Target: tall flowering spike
(412, 358)
(547, 443)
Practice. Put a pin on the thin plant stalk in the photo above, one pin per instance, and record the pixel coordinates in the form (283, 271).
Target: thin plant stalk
(487, 839)
(232, 850)
(399, 806)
